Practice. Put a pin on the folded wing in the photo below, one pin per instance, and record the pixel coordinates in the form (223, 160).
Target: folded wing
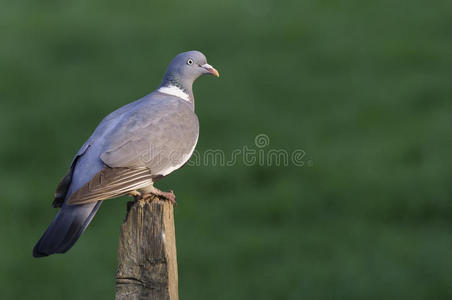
(152, 141)
(111, 183)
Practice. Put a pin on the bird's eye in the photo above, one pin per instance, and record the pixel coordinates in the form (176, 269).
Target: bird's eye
(189, 61)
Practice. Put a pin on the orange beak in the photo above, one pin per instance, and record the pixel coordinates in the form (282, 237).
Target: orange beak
(211, 70)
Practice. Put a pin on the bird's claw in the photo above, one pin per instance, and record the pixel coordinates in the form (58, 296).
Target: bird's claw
(169, 196)
(156, 193)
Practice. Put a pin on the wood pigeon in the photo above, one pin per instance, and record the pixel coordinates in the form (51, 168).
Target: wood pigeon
(129, 150)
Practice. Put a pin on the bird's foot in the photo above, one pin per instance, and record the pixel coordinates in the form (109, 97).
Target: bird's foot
(135, 194)
(138, 197)
(169, 196)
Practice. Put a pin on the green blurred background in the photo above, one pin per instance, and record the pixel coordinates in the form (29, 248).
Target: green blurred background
(363, 87)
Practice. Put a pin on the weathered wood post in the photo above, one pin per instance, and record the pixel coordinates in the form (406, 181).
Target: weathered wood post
(147, 263)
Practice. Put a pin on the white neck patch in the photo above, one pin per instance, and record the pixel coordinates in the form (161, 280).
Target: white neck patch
(174, 91)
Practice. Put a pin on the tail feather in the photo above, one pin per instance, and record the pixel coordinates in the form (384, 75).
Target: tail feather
(65, 229)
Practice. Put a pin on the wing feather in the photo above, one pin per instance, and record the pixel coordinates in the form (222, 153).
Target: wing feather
(111, 183)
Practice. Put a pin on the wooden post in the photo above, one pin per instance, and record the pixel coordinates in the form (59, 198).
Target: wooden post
(147, 263)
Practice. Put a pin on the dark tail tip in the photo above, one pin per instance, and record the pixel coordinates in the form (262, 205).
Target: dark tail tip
(65, 229)
(37, 252)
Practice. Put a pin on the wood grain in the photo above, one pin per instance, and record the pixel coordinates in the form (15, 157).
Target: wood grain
(147, 263)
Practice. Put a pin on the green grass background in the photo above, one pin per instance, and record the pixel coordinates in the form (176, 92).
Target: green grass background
(364, 87)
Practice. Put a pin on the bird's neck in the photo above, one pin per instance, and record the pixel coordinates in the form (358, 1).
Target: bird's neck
(174, 86)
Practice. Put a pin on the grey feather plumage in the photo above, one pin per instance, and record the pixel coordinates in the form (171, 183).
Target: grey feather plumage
(158, 141)
(131, 148)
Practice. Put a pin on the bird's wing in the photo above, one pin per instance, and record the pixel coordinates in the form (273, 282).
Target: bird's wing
(111, 183)
(150, 141)
(161, 141)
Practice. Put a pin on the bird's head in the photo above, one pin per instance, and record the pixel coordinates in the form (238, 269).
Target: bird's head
(186, 67)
